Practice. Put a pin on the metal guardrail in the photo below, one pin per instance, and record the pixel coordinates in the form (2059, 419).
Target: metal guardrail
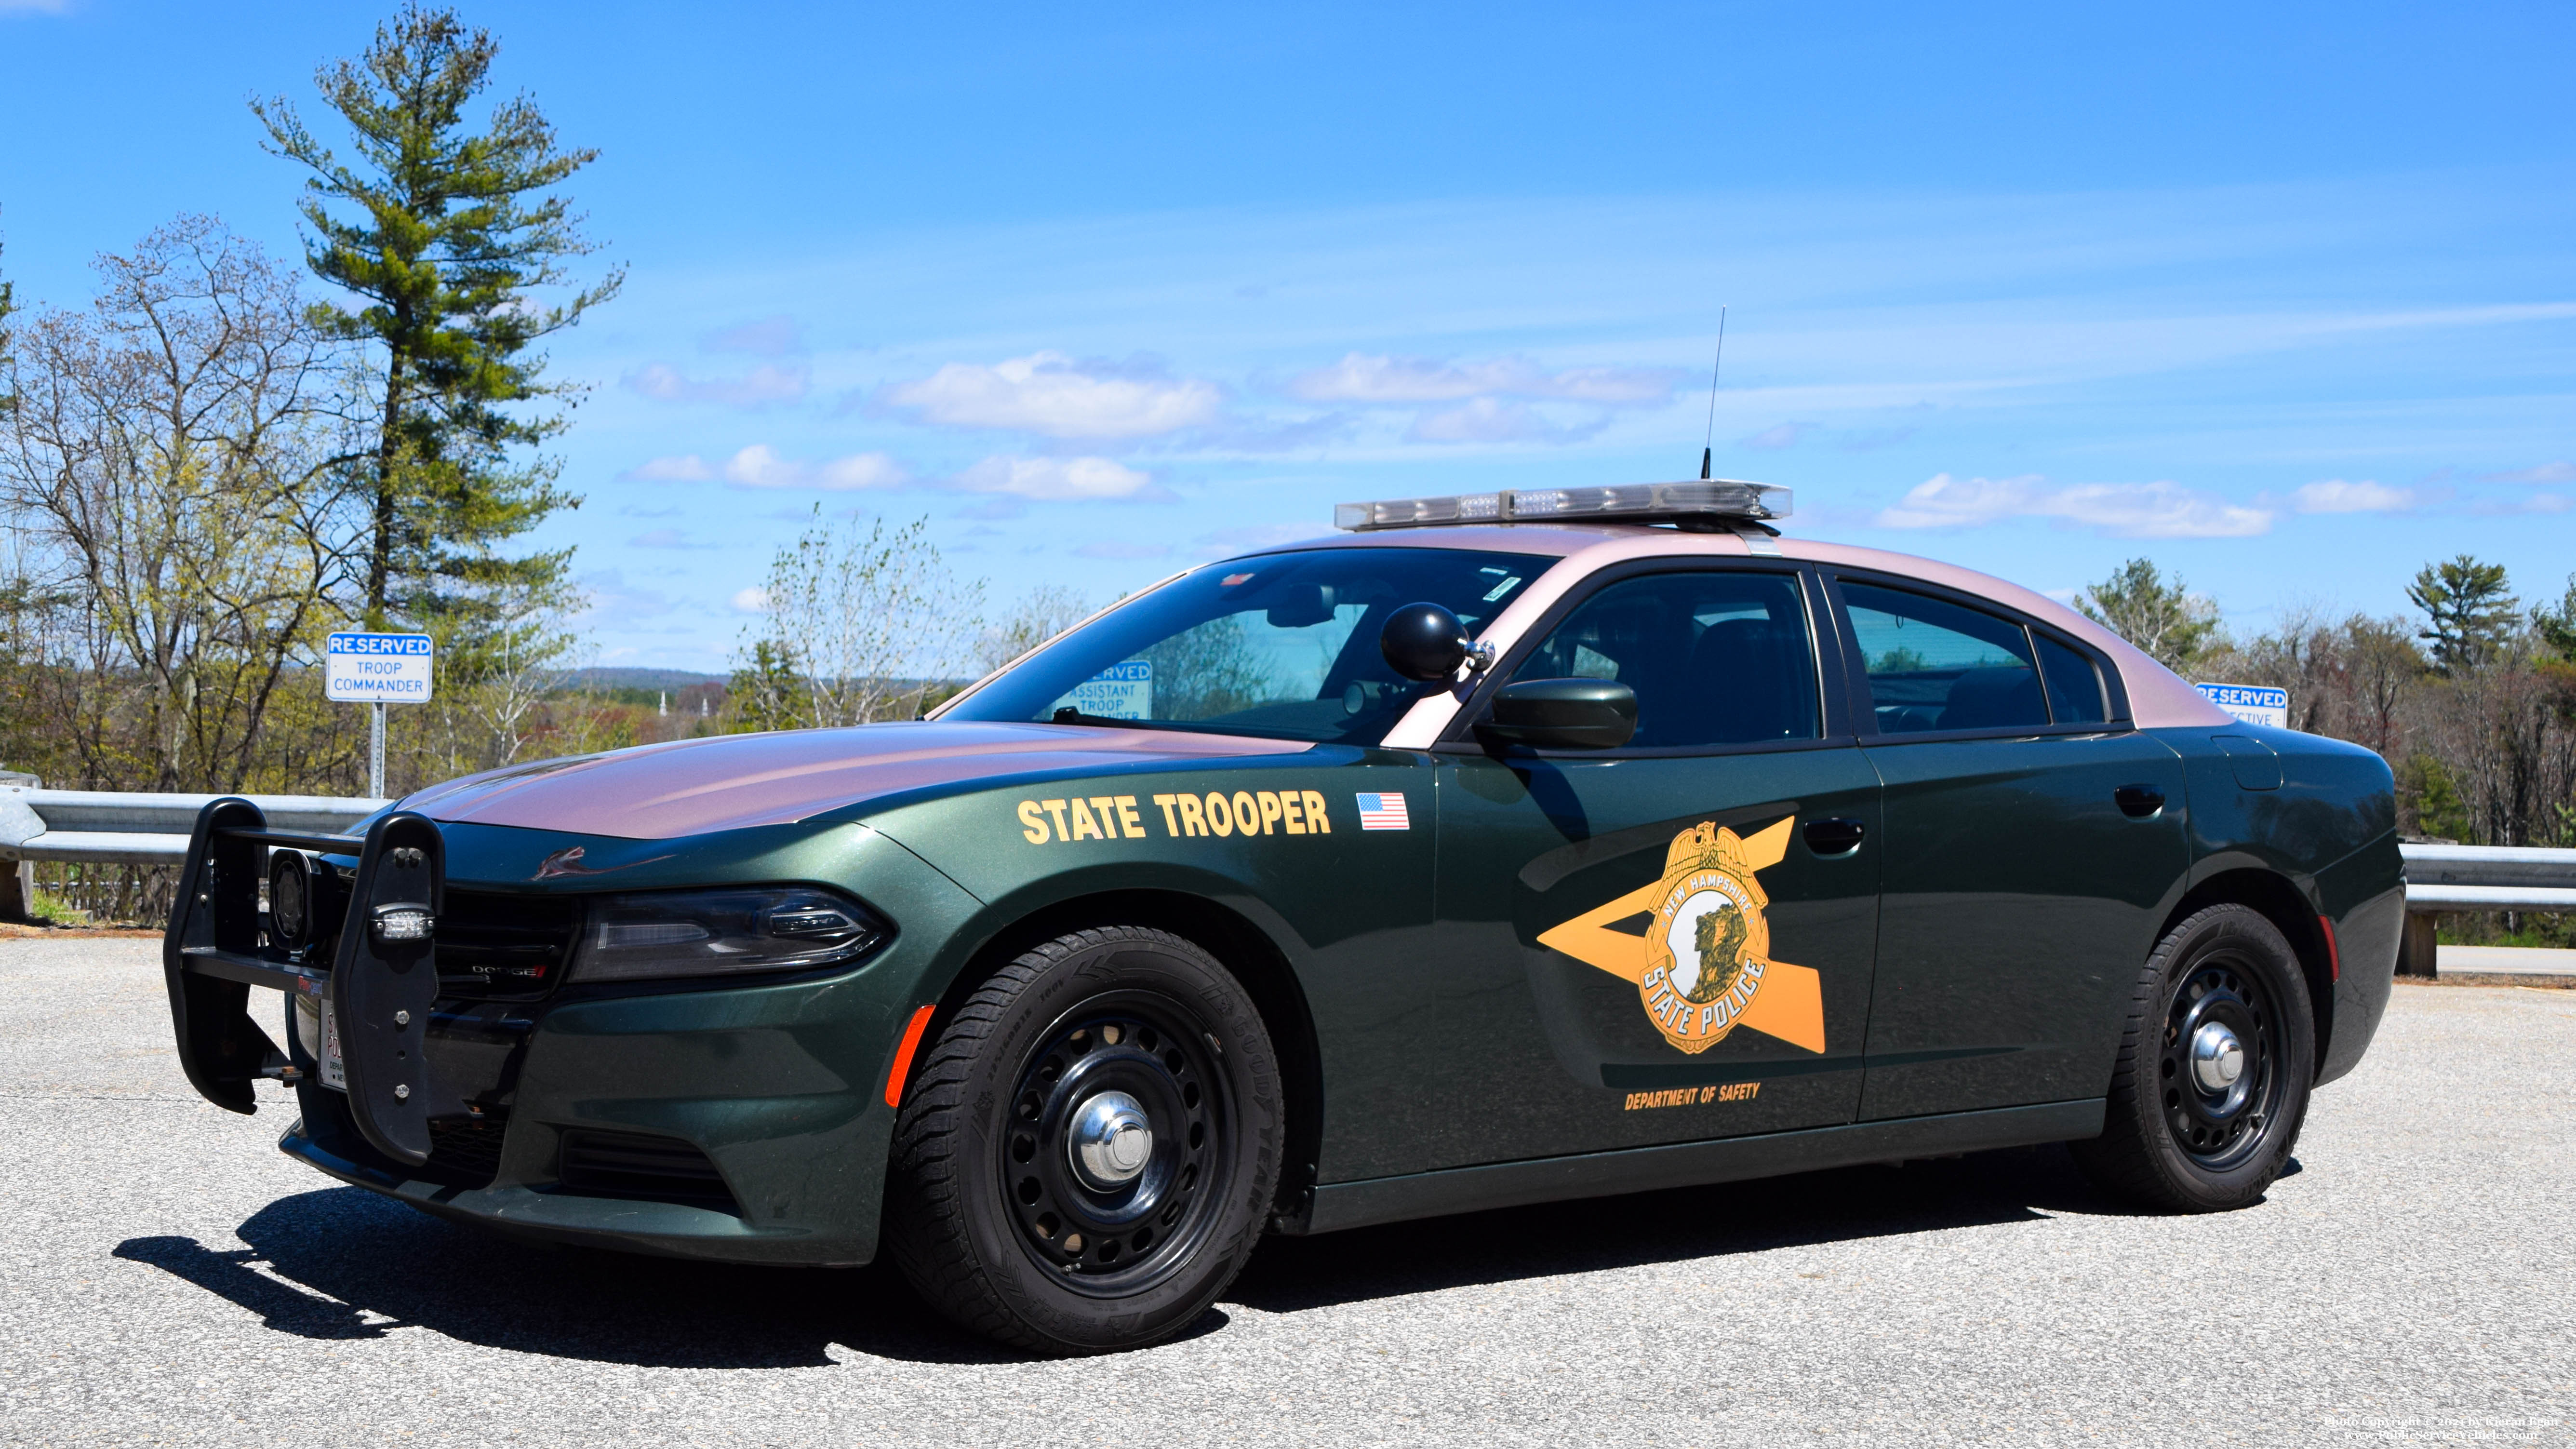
(115, 827)
(138, 828)
(2488, 878)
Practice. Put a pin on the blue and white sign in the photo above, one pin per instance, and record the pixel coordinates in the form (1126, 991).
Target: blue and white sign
(1121, 691)
(377, 668)
(2258, 704)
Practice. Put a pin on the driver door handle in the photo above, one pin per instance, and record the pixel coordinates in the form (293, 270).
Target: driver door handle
(1833, 838)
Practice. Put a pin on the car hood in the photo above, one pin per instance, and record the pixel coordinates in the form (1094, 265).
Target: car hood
(726, 782)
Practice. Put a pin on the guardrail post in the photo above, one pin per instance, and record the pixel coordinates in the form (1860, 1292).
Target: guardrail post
(2415, 953)
(18, 825)
(18, 892)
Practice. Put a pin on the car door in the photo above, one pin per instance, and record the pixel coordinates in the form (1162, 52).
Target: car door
(2032, 843)
(1662, 942)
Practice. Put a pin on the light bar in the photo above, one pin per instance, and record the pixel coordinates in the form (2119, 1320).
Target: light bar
(1702, 498)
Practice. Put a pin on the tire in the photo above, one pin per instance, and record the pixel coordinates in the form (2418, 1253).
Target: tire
(997, 1215)
(2178, 1135)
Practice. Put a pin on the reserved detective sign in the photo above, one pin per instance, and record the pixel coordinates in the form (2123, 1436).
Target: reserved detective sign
(2257, 704)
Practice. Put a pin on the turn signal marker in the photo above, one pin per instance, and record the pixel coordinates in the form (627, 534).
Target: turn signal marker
(903, 1055)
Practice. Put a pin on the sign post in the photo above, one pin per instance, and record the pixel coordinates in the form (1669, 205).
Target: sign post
(377, 670)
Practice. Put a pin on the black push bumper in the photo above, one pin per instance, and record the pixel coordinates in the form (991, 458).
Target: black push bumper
(378, 979)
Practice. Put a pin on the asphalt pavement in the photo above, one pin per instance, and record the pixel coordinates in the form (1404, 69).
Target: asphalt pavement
(166, 1276)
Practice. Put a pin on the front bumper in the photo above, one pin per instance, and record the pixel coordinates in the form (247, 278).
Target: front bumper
(780, 1087)
(769, 1094)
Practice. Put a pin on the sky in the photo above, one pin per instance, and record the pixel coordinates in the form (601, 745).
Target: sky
(2283, 298)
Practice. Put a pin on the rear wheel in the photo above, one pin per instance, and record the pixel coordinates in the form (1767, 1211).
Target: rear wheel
(2212, 1079)
(1086, 1155)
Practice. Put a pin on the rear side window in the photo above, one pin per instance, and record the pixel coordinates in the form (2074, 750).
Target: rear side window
(1715, 658)
(1935, 665)
(2074, 685)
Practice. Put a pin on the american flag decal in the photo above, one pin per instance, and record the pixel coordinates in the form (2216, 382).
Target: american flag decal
(1383, 812)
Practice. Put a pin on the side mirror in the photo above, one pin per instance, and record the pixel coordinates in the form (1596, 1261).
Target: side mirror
(1563, 714)
(1423, 642)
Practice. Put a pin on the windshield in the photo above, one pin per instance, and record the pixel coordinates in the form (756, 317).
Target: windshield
(1284, 645)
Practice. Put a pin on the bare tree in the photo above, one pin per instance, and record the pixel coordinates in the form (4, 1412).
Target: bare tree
(870, 622)
(1042, 613)
(178, 463)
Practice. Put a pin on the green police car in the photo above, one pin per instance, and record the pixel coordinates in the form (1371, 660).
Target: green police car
(1505, 848)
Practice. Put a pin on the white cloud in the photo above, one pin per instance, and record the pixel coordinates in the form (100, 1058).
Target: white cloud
(2334, 495)
(1261, 535)
(1785, 435)
(1056, 480)
(764, 385)
(2559, 472)
(1366, 378)
(2124, 510)
(1122, 550)
(688, 468)
(2544, 503)
(668, 538)
(607, 597)
(759, 466)
(1490, 420)
(768, 337)
(753, 600)
(1050, 393)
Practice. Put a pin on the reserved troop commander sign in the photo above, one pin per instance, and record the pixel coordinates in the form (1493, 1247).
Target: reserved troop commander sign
(377, 668)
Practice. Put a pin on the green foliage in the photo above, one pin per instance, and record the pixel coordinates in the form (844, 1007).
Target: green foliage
(2556, 624)
(2468, 610)
(2427, 791)
(767, 691)
(2167, 621)
(8, 304)
(450, 236)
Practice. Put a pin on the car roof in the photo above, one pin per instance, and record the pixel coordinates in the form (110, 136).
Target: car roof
(2157, 696)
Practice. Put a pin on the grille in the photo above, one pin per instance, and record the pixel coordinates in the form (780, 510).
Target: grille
(466, 1151)
(632, 1164)
(495, 944)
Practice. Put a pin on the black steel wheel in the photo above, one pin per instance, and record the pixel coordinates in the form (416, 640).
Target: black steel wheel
(2212, 1079)
(1117, 1152)
(1087, 1153)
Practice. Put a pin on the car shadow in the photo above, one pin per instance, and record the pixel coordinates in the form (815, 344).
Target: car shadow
(343, 1263)
(1849, 1204)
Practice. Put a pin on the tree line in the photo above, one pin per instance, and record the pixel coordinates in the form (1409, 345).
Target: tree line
(216, 461)
(2471, 700)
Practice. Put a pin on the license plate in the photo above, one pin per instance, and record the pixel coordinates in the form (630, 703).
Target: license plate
(320, 1035)
(335, 1068)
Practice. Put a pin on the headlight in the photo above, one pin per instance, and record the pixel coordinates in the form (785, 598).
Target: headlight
(721, 933)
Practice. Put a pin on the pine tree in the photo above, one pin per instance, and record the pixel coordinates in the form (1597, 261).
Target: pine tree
(2167, 621)
(2467, 609)
(452, 231)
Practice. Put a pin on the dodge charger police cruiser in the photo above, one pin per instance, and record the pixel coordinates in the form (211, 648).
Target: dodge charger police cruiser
(1504, 848)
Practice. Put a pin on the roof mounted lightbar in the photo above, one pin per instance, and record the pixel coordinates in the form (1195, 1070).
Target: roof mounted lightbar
(1706, 502)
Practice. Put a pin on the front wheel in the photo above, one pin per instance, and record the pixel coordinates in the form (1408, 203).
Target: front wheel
(1087, 1153)
(2212, 1080)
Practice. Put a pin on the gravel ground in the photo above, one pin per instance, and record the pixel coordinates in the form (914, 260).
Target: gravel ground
(168, 1277)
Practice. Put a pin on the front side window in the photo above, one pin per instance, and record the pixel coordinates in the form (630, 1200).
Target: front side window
(1935, 665)
(1715, 658)
(1282, 645)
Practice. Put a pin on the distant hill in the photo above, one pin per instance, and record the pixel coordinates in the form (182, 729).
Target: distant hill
(600, 681)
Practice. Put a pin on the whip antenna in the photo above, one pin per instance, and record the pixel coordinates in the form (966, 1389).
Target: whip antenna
(1708, 442)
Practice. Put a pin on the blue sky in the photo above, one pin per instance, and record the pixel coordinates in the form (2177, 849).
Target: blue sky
(2284, 301)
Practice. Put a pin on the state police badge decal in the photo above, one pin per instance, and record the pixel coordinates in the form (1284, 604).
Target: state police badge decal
(1704, 966)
